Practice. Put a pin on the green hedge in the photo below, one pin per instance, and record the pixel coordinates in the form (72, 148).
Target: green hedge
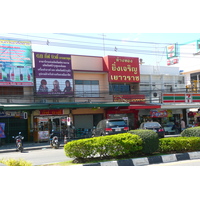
(191, 132)
(150, 140)
(112, 145)
(179, 144)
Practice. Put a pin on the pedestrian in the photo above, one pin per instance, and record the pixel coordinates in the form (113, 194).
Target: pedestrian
(182, 125)
(176, 128)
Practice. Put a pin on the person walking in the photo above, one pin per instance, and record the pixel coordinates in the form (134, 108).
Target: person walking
(182, 125)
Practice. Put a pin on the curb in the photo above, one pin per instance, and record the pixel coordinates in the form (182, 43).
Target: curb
(149, 160)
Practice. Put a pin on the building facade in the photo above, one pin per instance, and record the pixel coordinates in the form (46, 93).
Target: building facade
(42, 91)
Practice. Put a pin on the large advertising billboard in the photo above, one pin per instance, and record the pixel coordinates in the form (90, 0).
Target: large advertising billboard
(53, 74)
(122, 69)
(15, 63)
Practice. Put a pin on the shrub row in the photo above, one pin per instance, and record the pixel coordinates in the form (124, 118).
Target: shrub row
(112, 145)
(179, 144)
(150, 140)
(191, 132)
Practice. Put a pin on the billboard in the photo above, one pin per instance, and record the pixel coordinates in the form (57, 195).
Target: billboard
(53, 74)
(122, 69)
(15, 63)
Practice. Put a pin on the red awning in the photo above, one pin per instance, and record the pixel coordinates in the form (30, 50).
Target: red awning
(144, 106)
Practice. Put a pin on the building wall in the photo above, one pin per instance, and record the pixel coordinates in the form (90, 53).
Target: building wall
(150, 69)
(87, 63)
(103, 86)
(187, 60)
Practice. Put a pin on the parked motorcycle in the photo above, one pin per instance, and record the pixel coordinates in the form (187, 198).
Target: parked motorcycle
(19, 143)
(55, 143)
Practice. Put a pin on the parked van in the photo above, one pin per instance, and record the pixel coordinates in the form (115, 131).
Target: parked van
(110, 127)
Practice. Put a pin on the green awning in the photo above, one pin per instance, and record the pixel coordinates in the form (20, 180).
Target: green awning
(40, 106)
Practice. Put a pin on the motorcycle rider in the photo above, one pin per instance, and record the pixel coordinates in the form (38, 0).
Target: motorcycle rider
(19, 137)
(52, 135)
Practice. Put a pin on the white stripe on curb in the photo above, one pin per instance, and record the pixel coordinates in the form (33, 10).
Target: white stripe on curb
(194, 155)
(140, 161)
(169, 158)
(109, 163)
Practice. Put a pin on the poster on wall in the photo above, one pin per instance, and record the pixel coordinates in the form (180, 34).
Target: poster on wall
(160, 113)
(43, 135)
(2, 130)
(53, 74)
(15, 63)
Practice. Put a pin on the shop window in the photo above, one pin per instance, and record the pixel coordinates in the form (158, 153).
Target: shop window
(119, 89)
(87, 88)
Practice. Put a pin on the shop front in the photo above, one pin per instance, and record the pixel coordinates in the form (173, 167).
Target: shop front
(129, 115)
(11, 123)
(84, 119)
(47, 121)
(167, 118)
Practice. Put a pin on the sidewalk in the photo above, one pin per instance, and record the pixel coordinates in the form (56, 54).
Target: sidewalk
(27, 146)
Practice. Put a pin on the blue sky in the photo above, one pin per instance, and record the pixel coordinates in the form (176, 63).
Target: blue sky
(148, 46)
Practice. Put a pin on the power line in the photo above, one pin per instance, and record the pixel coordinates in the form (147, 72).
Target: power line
(128, 49)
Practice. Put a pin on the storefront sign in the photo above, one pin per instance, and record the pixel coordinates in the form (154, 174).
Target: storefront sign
(51, 112)
(16, 114)
(122, 69)
(16, 63)
(129, 98)
(171, 51)
(181, 98)
(53, 73)
(160, 113)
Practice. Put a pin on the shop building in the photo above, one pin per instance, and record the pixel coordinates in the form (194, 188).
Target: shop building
(52, 89)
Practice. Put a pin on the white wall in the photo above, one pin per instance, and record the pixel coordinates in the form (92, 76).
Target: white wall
(150, 69)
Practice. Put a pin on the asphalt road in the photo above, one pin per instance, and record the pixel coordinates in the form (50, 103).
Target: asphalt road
(39, 157)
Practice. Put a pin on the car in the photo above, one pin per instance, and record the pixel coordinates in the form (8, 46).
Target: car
(155, 126)
(110, 127)
(169, 128)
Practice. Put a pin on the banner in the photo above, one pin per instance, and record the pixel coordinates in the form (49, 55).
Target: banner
(16, 63)
(53, 73)
(131, 98)
(160, 113)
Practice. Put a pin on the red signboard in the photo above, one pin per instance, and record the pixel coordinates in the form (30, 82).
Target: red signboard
(122, 69)
(51, 112)
(129, 98)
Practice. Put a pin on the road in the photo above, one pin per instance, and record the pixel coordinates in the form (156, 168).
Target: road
(195, 162)
(39, 157)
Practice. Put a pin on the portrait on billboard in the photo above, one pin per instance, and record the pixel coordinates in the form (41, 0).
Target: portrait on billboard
(54, 86)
